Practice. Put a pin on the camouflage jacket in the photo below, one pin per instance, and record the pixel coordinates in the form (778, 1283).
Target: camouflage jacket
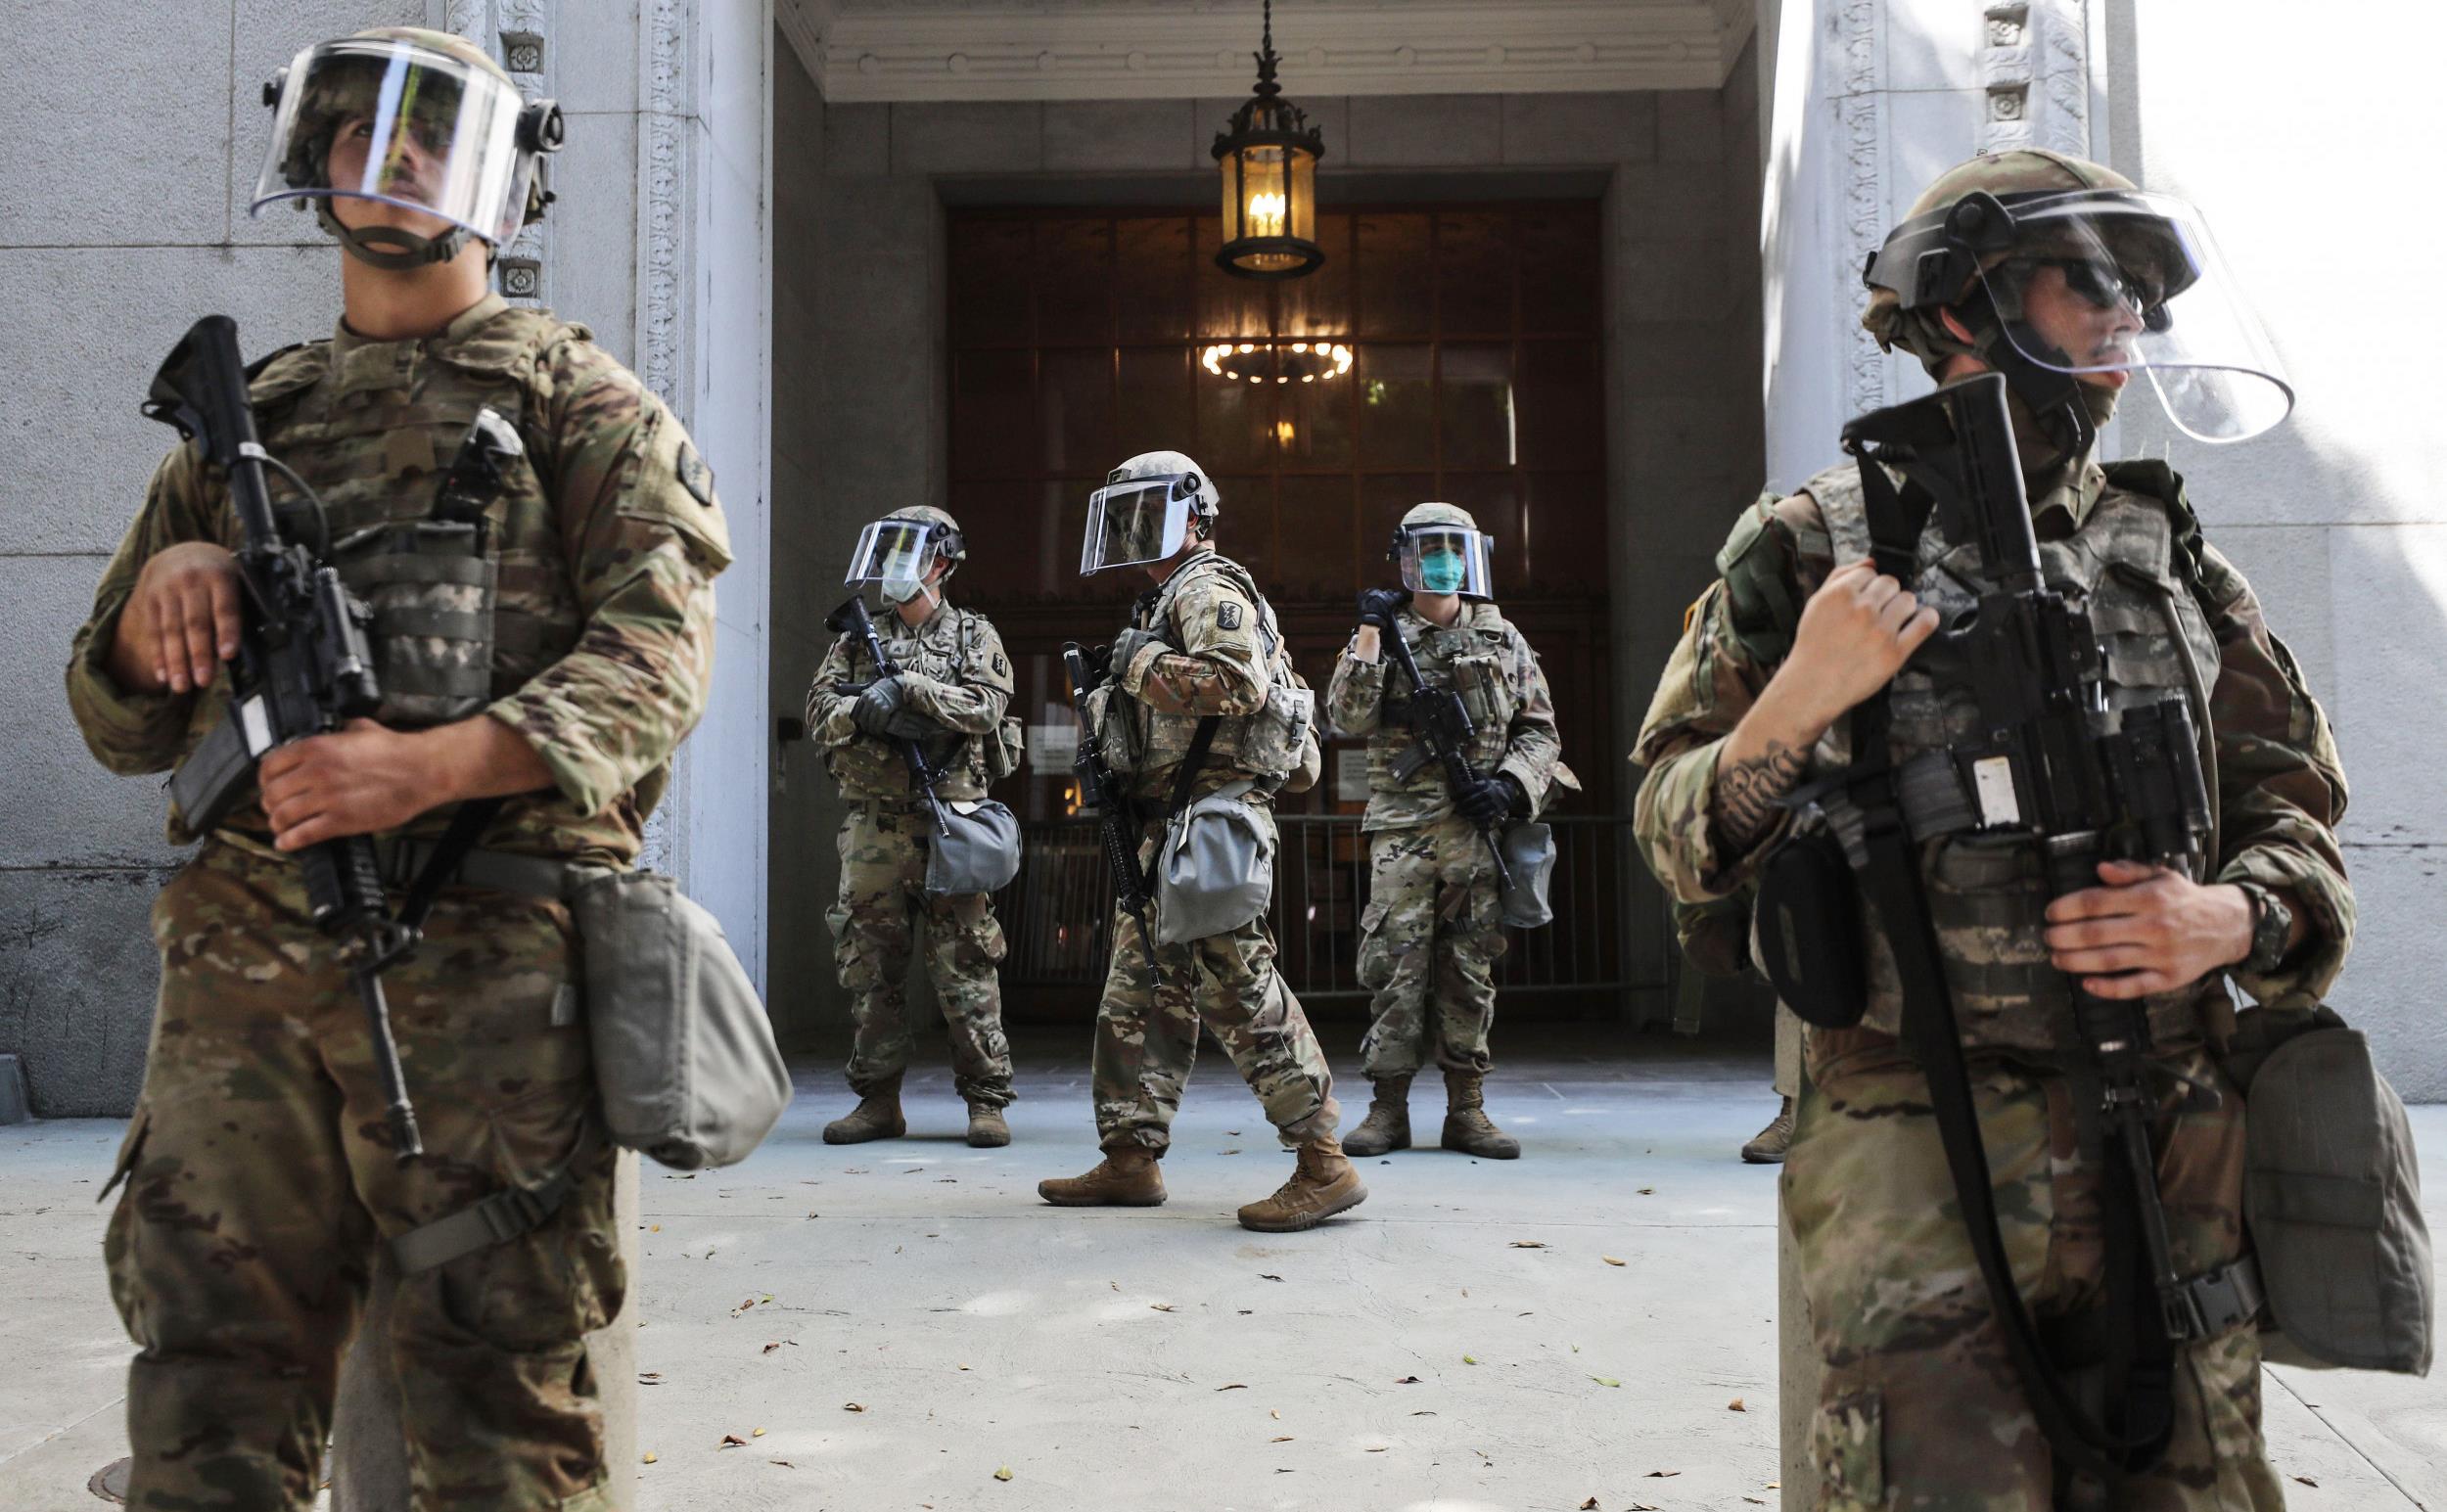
(607, 539)
(2281, 788)
(956, 676)
(1512, 716)
(1221, 656)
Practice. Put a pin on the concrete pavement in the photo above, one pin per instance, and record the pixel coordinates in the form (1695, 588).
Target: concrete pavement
(1460, 1343)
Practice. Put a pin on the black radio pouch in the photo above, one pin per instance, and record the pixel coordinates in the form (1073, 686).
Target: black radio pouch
(1808, 924)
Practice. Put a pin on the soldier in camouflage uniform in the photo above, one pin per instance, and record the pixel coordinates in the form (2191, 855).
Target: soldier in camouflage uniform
(1201, 649)
(258, 1168)
(1434, 926)
(1920, 1406)
(952, 686)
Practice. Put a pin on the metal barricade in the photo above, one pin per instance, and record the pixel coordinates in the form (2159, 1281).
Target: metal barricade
(1057, 910)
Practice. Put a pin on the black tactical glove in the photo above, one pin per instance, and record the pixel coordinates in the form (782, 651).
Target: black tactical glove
(1378, 606)
(906, 723)
(1491, 800)
(1127, 645)
(876, 706)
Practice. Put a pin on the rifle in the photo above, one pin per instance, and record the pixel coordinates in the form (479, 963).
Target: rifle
(852, 618)
(1117, 825)
(1445, 729)
(2086, 783)
(303, 668)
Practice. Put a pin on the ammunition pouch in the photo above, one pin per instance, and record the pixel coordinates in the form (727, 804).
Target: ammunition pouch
(1002, 748)
(430, 589)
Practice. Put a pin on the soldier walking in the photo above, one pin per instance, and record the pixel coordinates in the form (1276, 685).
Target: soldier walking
(1199, 683)
(1434, 925)
(947, 692)
(552, 657)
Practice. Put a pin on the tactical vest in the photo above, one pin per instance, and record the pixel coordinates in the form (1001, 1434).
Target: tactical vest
(1987, 893)
(946, 650)
(1468, 656)
(460, 617)
(1276, 745)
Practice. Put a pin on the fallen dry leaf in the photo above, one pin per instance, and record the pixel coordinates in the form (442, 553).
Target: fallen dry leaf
(1647, 1191)
(1003, 1473)
(651, 1456)
(1754, 1501)
(1609, 1259)
(733, 1442)
(1380, 1449)
(1642, 1506)
(1659, 1475)
(1274, 1413)
(785, 1464)
(1469, 1359)
(755, 1432)
(650, 1378)
(1590, 1505)
(854, 1406)
(1407, 1381)
(1160, 1306)
(1280, 1439)
(1605, 1380)
(1266, 1276)
(2307, 1481)
(1735, 1405)
(964, 1367)
(770, 1346)
(1236, 1386)
(1528, 1244)
(653, 1228)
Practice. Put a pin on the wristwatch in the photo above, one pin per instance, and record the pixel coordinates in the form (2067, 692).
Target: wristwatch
(2271, 922)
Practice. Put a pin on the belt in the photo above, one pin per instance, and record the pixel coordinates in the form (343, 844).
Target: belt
(495, 871)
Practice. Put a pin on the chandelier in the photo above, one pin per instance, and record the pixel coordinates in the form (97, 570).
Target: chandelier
(1268, 154)
(1305, 361)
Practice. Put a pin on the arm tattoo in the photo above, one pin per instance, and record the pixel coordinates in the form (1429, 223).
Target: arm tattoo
(1746, 793)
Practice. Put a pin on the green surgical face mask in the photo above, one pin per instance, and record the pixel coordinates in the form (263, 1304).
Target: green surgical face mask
(1441, 573)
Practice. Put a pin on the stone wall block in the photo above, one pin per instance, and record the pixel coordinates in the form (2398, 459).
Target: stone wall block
(78, 473)
(967, 137)
(85, 163)
(77, 978)
(68, 809)
(1575, 129)
(2390, 597)
(857, 140)
(1424, 131)
(1670, 202)
(1111, 135)
(590, 272)
(1690, 126)
(592, 62)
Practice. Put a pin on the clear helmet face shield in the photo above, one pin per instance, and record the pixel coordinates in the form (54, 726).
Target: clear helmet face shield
(2124, 282)
(1137, 520)
(387, 121)
(894, 551)
(1443, 559)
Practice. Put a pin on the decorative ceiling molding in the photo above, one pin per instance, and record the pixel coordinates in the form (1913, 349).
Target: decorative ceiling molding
(887, 50)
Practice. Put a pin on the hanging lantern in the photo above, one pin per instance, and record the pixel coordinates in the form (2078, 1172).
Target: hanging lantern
(1268, 154)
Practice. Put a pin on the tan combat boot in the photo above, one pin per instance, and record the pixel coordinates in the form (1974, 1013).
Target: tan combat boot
(1388, 1123)
(1126, 1177)
(1467, 1128)
(877, 1116)
(1769, 1148)
(1323, 1184)
(987, 1129)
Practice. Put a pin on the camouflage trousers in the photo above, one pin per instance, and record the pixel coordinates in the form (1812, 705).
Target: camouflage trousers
(1429, 942)
(1147, 1030)
(1919, 1406)
(874, 923)
(260, 1177)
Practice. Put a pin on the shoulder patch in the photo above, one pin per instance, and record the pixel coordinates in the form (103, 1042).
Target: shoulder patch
(694, 475)
(1227, 616)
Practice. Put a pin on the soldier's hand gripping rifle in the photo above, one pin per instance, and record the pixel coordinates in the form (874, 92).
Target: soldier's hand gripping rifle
(852, 619)
(1117, 823)
(303, 666)
(2086, 783)
(1444, 728)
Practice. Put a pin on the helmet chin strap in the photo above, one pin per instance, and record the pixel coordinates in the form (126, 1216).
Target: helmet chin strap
(2055, 398)
(391, 247)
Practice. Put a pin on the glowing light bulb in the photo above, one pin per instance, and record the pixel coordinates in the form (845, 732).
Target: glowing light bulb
(1266, 215)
